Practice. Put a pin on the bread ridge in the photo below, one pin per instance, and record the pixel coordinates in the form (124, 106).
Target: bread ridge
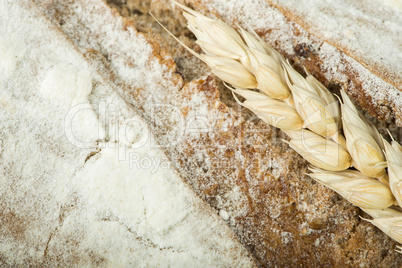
(380, 69)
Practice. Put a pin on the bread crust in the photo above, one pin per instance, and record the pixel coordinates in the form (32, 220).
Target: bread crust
(239, 165)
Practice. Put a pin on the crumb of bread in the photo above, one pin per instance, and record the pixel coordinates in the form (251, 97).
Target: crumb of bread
(10, 54)
(66, 83)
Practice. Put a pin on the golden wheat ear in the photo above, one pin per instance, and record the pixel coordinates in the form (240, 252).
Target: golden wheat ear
(310, 115)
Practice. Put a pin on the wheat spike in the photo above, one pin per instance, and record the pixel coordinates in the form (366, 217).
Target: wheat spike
(293, 103)
(266, 66)
(271, 111)
(362, 141)
(319, 151)
(230, 70)
(316, 106)
(226, 68)
(358, 189)
(215, 37)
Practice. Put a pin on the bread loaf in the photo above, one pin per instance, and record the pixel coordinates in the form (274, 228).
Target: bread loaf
(237, 164)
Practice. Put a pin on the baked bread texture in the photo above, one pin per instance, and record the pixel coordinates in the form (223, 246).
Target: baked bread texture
(222, 160)
(75, 190)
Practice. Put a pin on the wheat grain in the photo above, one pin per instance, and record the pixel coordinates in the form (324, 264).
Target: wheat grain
(266, 66)
(358, 189)
(215, 37)
(230, 70)
(316, 106)
(319, 151)
(362, 140)
(271, 111)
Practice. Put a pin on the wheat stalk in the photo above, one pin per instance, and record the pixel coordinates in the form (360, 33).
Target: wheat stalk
(310, 115)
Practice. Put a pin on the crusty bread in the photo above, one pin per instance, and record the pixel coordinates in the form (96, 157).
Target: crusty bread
(237, 164)
(282, 216)
(369, 31)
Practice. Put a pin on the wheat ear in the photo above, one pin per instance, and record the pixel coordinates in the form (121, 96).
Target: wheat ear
(310, 115)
